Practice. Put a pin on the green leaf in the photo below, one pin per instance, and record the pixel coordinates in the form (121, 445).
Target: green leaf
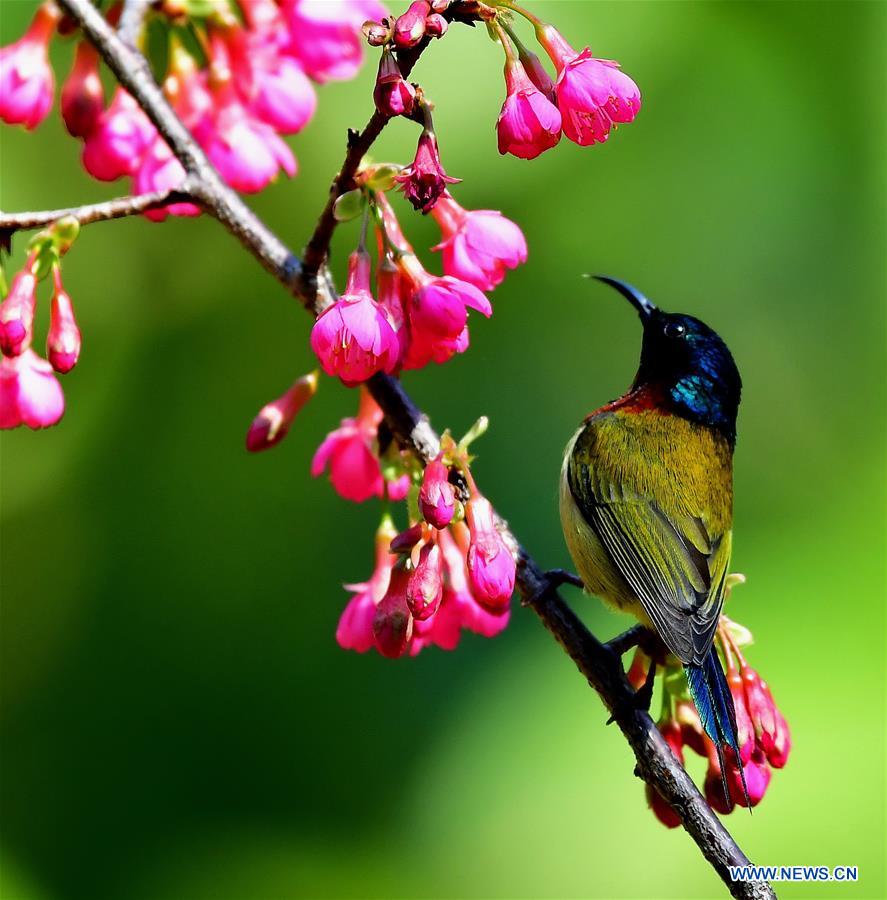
(348, 206)
(383, 178)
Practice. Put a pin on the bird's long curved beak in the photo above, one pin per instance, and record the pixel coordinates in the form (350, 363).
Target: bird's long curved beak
(644, 307)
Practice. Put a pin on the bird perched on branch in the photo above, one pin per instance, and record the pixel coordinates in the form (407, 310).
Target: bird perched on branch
(646, 499)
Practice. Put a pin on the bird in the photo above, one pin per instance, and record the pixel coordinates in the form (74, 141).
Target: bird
(646, 499)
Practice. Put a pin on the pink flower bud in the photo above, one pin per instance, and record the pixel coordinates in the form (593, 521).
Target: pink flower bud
(592, 94)
(26, 79)
(17, 313)
(529, 122)
(63, 338)
(354, 338)
(83, 97)
(425, 588)
(714, 785)
(436, 26)
(437, 498)
(161, 171)
(424, 180)
(273, 422)
(757, 779)
(409, 28)
(661, 809)
(491, 567)
(778, 749)
(30, 394)
(407, 539)
(119, 141)
(761, 707)
(478, 245)
(393, 624)
(377, 33)
(745, 732)
(392, 95)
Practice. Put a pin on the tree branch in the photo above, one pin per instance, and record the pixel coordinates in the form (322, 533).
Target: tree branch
(118, 208)
(598, 663)
(132, 17)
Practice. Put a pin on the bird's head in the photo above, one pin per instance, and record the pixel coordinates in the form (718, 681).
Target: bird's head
(687, 362)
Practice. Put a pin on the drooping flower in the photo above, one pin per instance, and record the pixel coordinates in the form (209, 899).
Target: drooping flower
(592, 94)
(529, 123)
(274, 420)
(159, 170)
(393, 623)
(355, 629)
(392, 95)
(26, 79)
(425, 587)
(424, 180)
(326, 34)
(437, 497)
(83, 97)
(17, 313)
(30, 394)
(283, 96)
(118, 143)
(350, 453)
(491, 567)
(354, 339)
(63, 337)
(478, 245)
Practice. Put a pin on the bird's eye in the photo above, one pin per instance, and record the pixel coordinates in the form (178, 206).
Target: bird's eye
(674, 330)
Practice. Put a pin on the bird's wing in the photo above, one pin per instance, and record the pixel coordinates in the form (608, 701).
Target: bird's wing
(676, 569)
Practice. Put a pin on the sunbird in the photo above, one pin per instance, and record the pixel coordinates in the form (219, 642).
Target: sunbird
(646, 499)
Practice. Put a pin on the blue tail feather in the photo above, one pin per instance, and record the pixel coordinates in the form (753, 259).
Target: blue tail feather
(714, 703)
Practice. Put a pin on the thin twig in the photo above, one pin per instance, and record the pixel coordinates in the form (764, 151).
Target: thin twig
(656, 764)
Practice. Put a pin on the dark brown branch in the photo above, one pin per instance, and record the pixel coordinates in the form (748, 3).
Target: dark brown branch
(598, 663)
(118, 208)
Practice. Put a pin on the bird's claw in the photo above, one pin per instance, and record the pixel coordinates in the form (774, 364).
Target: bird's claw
(643, 696)
(557, 577)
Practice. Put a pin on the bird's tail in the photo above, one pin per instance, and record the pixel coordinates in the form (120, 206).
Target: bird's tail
(714, 703)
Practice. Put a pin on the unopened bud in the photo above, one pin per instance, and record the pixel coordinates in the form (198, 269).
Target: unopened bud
(393, 624)
(425, 588)
(83, 97)
(409, 28)
(377, 33)
(406, 540)
(17, 313)
(63, 338)
(437, 498)
(436, 26)
(273, 422)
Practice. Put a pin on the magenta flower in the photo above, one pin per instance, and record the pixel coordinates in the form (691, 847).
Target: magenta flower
(274, 420)
(491, 567)
(349, 453)
(424, 180)
(120, 140)
(392, 623)
(354, 338)
(17, 313)
(437, 497)
(409, 28)
(161, 171)
(30, 394)
(83, 97)
(392, 95)
(592, 94)
(425, 587)
(248, 153)
(529, 123)
(26, 79)
(478, 245)
(63, 337)
(284, 97)
(355, 629)
(326, 35)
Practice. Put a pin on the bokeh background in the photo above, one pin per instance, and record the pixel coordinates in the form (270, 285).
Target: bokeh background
(178, 722)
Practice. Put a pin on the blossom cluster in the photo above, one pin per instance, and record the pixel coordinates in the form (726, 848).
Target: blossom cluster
(763, 734)
(249, 82)
(30, 394)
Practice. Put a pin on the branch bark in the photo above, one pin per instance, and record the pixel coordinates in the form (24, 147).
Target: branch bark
(601, 666)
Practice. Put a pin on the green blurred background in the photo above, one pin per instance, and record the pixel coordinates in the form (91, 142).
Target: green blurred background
(177, 719)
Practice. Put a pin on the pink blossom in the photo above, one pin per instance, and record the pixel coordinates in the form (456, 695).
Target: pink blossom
(388, 284)
(354, 339)
(392, 95)
(436, 26)
(350, 454)
(491, 567)
(17, 313)
(425, 587)
(26, 79)
(63, 338)
(392, 623)
(409, 28)
(355, 629)
(771, 729)
(529, 122)
(248, 153)
(478, 245)
(437, 498)
(83, 97)
(424, 180)
(326, 34)
(283, 96)
(745, 732)
(274, 420)
(30, 394)
(757, 779)
(161, 171)
(119, 141)
(592, 94)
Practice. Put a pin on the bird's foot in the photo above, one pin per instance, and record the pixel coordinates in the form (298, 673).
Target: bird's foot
(557, 577)
(643, 696)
